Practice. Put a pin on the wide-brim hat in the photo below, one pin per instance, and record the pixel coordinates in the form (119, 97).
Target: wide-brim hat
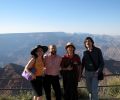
(44, 48)
(69, 44)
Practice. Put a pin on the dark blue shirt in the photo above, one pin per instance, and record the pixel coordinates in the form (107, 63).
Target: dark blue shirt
(97, 57)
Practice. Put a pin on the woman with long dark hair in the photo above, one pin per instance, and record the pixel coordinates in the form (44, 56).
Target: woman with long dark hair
(37, 63)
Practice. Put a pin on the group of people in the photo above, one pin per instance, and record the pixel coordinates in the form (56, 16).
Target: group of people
(49, 66)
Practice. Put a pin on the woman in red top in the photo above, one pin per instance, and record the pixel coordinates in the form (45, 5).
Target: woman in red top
(71, 72)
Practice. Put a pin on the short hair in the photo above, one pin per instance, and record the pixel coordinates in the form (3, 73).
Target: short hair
(52, 45)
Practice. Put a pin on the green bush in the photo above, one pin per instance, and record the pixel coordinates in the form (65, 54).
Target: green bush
(7, 98)
(82, 93)
(23, 95)
(114, 91)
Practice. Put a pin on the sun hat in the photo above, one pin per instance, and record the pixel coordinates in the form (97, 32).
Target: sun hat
(69, 44)
(44, 48)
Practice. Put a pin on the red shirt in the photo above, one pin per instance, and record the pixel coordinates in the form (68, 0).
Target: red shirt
(73, 62)
(67, 60)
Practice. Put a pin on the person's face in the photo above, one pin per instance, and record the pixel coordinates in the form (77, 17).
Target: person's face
(40, 52)
(88, 43)
(70, 50)
(52, 49)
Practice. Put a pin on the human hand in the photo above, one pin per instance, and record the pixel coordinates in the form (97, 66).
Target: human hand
(69, 68)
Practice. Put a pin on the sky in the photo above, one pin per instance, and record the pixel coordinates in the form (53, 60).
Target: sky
(82, 16)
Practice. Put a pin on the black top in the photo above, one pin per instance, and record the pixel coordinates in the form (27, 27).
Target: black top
(97, 57)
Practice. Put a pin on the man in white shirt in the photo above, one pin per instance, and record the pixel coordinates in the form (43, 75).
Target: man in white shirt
(52, 64)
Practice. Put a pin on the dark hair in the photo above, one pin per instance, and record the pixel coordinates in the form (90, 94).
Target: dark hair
(89, 38)
(34, 52)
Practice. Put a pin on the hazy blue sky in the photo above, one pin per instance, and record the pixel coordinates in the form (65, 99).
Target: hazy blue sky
(89, 16)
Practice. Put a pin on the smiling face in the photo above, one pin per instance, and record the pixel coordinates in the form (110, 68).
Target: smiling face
(88, 43)
(39, 52)
(70, 50)
(52, 49)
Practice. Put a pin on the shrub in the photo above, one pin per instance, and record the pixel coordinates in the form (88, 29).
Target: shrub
(114, 91)
(82, 93)
(23, 95)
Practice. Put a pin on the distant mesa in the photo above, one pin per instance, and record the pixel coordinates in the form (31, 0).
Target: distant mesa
(15, 48)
